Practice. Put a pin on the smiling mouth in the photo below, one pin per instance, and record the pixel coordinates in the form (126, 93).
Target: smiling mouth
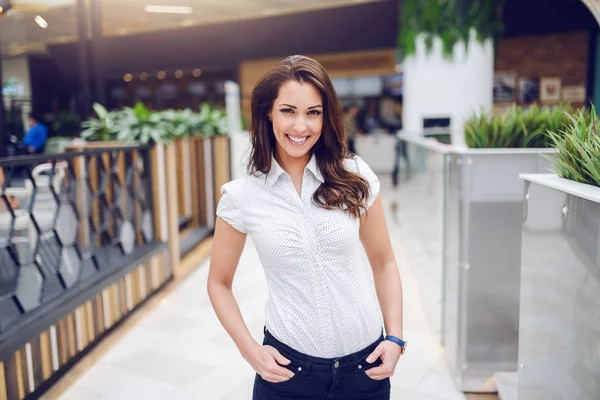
(297, 140)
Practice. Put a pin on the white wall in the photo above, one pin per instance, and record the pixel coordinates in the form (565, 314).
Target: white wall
(437, 87)
(18, 69)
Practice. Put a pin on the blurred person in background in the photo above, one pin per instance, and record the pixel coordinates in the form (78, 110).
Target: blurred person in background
(351, 126)
(310, 208)
(36, 136)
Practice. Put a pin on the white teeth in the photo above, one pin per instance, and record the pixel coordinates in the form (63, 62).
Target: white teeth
(298, 140)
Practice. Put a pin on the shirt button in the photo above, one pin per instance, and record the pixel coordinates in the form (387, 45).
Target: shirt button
(336, 364)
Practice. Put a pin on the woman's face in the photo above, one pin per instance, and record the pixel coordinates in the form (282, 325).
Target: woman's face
(297, 117)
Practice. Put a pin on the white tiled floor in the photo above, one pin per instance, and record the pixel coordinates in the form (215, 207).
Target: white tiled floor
(180, 351)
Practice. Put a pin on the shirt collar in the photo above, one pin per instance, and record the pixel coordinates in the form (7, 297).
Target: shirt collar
(276, 170)
(314, 168)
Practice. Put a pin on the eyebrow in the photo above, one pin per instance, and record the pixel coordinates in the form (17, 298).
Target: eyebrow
(294, 107)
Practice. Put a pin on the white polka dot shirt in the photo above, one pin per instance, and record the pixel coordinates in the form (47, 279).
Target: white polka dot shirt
(322, 300)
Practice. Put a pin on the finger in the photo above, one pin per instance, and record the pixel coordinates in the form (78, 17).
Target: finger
(280, 371)
(274, 378)
(380, 370)
(375, 354)
(379, 377)
(278, 357)
(285, 372)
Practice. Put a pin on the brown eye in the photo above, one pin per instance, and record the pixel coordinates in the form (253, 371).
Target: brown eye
(315, 112)
(287, 110)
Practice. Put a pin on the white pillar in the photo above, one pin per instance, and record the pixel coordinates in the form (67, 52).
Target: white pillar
(240, 153)
(438, 87)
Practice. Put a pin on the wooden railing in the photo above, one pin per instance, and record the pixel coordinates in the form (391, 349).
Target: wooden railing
(202, 166)
(87, 238)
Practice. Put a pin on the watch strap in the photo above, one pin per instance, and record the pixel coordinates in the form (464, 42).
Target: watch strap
(398, 341)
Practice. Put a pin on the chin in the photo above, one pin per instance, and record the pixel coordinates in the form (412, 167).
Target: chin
(296, 153)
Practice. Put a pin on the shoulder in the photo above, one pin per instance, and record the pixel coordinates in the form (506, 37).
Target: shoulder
(358, 166)
(236, 187)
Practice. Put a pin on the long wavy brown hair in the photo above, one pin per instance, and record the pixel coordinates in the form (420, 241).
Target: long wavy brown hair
(343, 189)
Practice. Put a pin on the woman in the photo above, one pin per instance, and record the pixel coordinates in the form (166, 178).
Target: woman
(305, 205)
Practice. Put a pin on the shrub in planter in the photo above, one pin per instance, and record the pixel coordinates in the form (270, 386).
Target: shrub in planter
(578, 148)
(516, 128)
(139, 124)
(449, 20)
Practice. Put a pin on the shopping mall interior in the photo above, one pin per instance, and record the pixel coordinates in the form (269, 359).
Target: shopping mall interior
(121, 122)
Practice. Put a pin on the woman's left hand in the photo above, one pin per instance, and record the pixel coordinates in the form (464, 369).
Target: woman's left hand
(390, 354)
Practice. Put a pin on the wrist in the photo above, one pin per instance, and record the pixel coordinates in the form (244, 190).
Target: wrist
(400, 342)
(248, 348)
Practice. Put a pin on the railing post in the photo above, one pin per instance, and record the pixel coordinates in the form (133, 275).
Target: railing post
(172, 208)
(221, 165)
(197, 177)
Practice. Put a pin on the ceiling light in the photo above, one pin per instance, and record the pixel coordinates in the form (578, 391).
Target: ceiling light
(179, 74)
(143, 76)
(161, 75)
(168, 9)
(41, 22)
(4, 7)
(128, 78)
(188, 22)
(197, 72)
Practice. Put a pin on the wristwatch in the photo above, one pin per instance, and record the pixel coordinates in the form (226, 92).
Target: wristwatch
(398, 341)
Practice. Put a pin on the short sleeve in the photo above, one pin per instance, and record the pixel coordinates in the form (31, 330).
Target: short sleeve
(366, 172)
(228, 209)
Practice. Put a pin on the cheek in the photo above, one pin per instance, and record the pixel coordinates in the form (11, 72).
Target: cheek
(280, 125)
(316, 126)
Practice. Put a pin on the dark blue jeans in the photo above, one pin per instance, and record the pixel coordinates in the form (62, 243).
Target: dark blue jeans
(315, 378)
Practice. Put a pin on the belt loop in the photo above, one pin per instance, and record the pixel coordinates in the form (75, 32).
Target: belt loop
(265, 329)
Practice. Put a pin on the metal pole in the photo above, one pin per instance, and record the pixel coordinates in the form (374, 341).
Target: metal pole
(85, 104)
(96, 22)
(3, 132)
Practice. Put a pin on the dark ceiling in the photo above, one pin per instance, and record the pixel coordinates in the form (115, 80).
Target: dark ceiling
(534, 17)
(360, 27)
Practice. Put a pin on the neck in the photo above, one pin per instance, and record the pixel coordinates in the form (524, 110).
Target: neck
(292, 165)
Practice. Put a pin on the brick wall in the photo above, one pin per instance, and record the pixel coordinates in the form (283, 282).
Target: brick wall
(562, 55)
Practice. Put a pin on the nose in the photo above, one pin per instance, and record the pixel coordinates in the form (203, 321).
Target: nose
(300, 125)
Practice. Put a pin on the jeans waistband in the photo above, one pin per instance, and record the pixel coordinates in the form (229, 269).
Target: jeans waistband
(350, 359)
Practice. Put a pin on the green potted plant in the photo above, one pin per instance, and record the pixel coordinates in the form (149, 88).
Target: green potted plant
(578, 149)
(516, 128)
(209, 121)
(452, 21)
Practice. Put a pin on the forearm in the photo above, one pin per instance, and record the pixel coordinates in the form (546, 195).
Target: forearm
(230, 316)
(389, 291)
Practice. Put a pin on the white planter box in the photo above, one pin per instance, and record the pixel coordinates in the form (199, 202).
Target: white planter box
(477, 239)
(559, 329)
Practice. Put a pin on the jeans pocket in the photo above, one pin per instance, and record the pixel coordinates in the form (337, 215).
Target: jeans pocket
(298, 368)
(365, 366)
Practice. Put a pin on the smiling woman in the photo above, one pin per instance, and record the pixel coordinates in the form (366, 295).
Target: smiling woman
(299, 125)
(304, 203)
(296, 114)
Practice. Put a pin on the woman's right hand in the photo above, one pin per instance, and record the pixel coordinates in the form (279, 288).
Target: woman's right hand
(266, 362)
